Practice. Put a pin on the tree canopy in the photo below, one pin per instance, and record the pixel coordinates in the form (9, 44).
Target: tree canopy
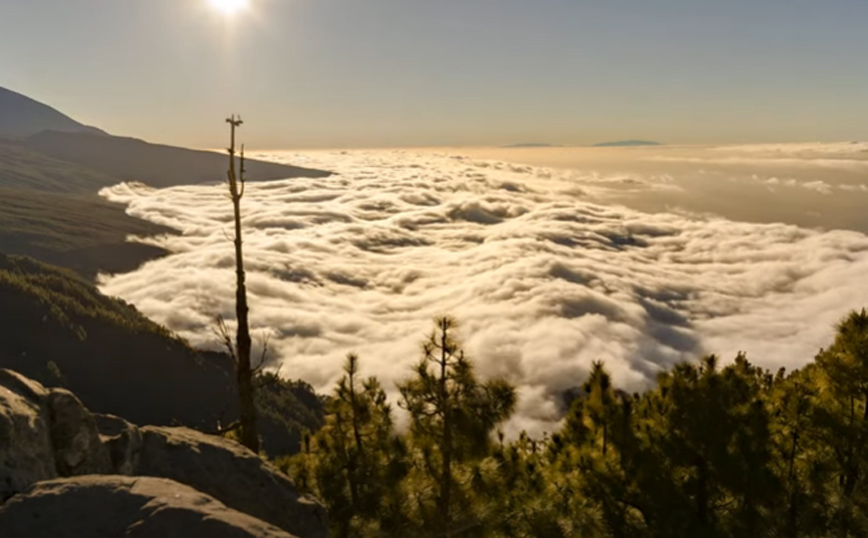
(712, 451)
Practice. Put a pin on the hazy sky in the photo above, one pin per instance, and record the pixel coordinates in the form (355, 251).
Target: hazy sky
(322, 73)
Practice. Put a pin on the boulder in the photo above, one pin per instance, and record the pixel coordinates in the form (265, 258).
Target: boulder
(135, 507)
(78, 449)
(44, 433)
(232, 474)
(123, 441)
(26, 454)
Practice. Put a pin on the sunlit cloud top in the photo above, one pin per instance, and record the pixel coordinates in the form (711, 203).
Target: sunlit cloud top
(544, 273)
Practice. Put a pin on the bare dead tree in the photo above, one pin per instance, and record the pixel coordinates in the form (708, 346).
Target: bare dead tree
(241, 353)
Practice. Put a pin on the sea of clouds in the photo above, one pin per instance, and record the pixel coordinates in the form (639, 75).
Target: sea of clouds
(544, 268)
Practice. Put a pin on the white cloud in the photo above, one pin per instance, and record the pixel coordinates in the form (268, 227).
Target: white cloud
(543, 278)
(856, 165)
(803, 150)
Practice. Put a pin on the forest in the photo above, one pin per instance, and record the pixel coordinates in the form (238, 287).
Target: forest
(711, 450)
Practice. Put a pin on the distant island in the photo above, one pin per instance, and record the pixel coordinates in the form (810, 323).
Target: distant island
(627, 143)
(532, 145)
(616, 144)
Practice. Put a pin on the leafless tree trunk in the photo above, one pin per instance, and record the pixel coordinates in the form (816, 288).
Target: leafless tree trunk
(244, 372)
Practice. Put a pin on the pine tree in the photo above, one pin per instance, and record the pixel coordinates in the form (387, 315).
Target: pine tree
(600, 426)
(689, 458)
(841, 421)
(798, 463)
(710, 451)
(356, 462)
(599, 404)
(452, 418)
(540, 492)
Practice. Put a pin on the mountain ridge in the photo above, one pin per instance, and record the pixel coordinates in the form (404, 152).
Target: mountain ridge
(53, 167)
(23, 116)
(626, 143)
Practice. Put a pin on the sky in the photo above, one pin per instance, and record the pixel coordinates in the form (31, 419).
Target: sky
(372, 73)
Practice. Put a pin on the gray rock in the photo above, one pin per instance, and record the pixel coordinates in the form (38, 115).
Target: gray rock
(26, 454)
(48, 433)
(134, 507)
(232, 474)
(44, 433)
(77, 446)
(123, 441)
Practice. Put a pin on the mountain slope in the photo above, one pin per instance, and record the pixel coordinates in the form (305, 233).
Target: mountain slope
(79, 232)
(59, 329)
(21, 116)
(52, 167)
(129, 159)
(49, 209)
(24, 168)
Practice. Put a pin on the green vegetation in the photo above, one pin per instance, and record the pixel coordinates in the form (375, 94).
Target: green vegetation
(60, 330)
(285, 412)
(709, 452)
(116, 360)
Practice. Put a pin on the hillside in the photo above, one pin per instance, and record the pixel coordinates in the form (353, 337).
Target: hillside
(129, 159)
(21, 116)
(60, 330)
(52, 167)
(49, 210)
(76, 231)
(24, 168)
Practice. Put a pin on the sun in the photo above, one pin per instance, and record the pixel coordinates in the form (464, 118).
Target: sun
(229, 7)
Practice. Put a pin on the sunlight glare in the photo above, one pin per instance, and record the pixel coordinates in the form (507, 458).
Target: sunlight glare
(229, 7)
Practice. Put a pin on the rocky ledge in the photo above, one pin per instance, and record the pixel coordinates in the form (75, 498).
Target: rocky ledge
(67, 472)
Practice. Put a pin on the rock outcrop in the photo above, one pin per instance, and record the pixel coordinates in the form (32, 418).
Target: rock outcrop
(135, 507)
(48, 433)
(124, 443)
(25, 439)
(44, 433)
(221, 468)
(74, 437)
(232, 474)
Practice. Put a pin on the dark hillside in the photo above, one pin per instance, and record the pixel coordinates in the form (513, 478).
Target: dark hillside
(76, 231)
(50, 210)
(26, 169)
(59, 329)
(129, 159)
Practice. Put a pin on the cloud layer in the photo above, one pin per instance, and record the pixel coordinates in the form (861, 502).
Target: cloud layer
(543, 274)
